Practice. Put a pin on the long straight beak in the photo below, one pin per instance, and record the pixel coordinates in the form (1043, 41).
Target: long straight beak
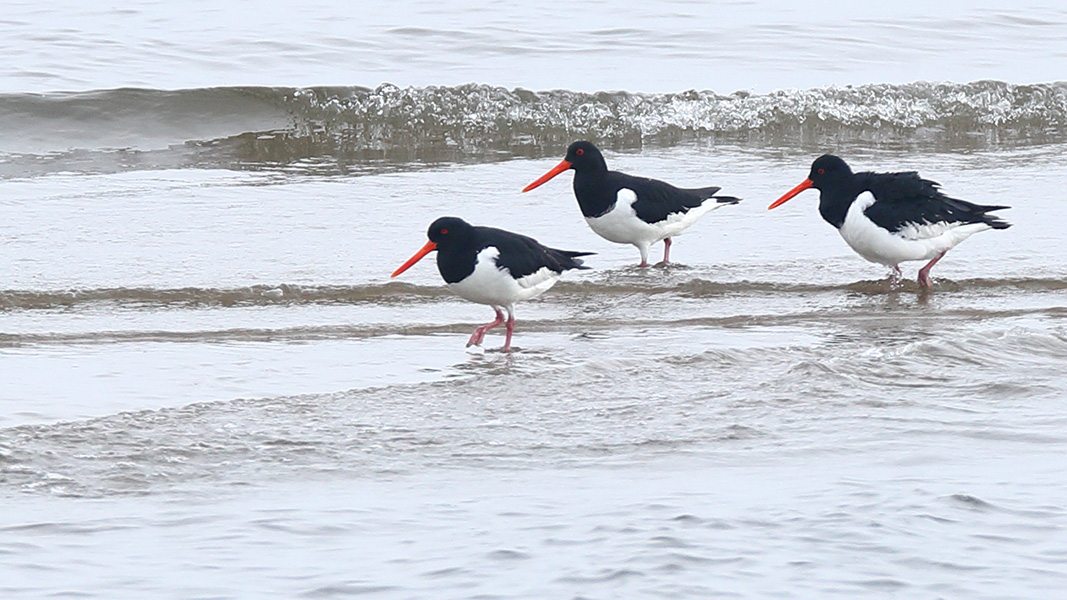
(556, 170)
(428, 248)
(807, 183)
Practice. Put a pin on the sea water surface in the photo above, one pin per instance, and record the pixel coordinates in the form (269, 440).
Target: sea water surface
(212, 389)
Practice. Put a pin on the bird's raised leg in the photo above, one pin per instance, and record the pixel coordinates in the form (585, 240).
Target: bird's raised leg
(479, 333)
(510, 328)
(924, 273)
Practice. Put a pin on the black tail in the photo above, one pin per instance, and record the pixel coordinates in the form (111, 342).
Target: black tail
(698, 196)
(993, 220)
(705, 193)
(572, 258)
(976, 213)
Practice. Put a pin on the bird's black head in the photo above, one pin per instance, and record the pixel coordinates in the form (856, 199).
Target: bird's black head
(449, 231)
(584, 156)
(827, 170)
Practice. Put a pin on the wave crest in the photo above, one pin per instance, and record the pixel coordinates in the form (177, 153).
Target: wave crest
(355, 128)
(480, 119)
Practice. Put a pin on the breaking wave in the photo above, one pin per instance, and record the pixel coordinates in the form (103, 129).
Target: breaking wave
(355, 126)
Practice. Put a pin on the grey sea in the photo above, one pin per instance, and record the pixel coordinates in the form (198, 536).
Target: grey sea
(211, 388)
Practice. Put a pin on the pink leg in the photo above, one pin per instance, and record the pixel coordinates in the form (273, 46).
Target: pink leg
(666, 250)
(897, 275)
(479, 334)
(924, 273)
(510, 330)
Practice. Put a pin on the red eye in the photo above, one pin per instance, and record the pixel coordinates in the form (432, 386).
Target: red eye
(579, 151)
(822, 171)
(444, 231)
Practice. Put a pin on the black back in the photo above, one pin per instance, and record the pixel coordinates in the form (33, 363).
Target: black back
(459, 242)
(902, 199)
(597, 188)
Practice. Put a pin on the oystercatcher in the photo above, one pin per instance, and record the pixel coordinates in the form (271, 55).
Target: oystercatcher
(889, 218)
(625, 209)
(492, 266)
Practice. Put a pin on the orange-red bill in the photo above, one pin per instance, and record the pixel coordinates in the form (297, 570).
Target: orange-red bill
(807, 183)
(428, 248)
(556, 170)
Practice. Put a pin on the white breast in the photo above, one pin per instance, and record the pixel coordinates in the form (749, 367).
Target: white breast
(916, 241)
(492, 285)
(622, 225)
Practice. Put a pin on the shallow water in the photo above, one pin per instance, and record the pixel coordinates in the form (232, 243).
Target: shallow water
(249, 401)
(212, 389)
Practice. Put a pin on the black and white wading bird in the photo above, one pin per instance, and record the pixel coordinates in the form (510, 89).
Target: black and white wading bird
(492, 266)
(889, 218)
(625, 209)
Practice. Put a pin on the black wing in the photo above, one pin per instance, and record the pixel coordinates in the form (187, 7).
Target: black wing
(657, 199)
(908, 199)
(522, 255)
